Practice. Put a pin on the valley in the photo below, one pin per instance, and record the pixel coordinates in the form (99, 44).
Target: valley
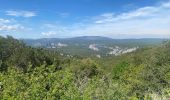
(94, 46)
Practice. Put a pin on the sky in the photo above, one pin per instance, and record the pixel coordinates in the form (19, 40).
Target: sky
(117, 19)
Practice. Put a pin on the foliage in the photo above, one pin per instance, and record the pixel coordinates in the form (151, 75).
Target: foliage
(35, 73)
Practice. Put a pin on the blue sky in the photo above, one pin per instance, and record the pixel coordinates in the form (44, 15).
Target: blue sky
(71, 18)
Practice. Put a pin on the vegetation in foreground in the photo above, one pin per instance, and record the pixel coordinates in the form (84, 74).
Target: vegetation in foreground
(29, 73)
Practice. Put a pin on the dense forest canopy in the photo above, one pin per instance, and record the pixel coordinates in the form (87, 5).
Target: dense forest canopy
(37, 73)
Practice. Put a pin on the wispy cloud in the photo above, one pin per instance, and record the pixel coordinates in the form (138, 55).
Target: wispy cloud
(139, 13)
(9, 25)
(64, 14)
(4, 20)
(20, 13)
(49, 33)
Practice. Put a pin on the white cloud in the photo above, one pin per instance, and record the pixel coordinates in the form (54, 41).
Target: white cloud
(9, 25)
(166, 5)
(106, 17)
(55, 29)
(65, 14)
(139, 13)
(49, 33)
(49, 26)
(20, 13)
(4, 20)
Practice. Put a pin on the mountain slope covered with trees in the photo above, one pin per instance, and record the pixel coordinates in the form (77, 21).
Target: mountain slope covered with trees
(36, 73)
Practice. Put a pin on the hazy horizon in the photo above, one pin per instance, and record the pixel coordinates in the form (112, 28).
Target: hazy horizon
(92, 36)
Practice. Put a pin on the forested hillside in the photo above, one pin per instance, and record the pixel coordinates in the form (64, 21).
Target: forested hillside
(36, 73)
(93, 46)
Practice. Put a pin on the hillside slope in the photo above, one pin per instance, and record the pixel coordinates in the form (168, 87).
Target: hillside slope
(31, 73)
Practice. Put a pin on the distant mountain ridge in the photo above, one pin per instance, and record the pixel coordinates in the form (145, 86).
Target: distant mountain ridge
(92, 38)
(92, 45)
